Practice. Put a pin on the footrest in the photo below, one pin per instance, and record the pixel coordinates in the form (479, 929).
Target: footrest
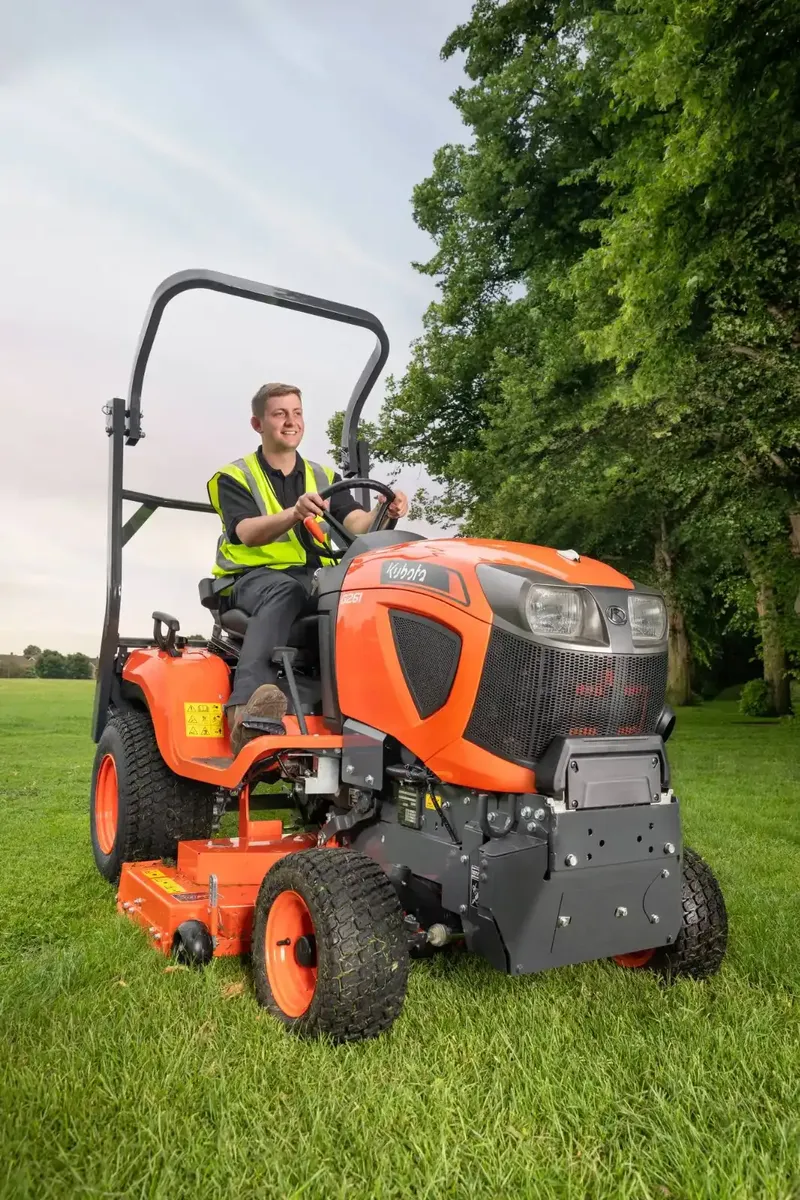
(265, 725)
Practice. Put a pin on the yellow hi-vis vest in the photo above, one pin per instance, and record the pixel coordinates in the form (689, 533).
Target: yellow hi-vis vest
(286, 550)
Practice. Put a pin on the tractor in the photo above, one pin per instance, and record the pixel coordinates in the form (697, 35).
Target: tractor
(473, 751)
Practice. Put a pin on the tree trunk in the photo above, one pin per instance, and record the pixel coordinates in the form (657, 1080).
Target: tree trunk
(794, 521)
(794, 542)
(679, 670)
(773, 651)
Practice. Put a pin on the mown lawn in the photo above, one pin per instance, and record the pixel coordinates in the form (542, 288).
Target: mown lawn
(118, 1079)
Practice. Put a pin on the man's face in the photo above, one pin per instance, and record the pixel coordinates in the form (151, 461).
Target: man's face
(282, 425)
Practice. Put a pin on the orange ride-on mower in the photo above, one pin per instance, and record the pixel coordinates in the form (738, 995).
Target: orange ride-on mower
(475, 750)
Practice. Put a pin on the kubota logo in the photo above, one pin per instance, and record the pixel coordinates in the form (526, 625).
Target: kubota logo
(400, 572)
(617, 616)
(414, 574)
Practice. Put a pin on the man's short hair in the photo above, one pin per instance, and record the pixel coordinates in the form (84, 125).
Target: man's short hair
(259, 401)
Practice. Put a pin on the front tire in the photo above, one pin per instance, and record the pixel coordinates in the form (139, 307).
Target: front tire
(699, 948)
(329, 946)
(139, 808)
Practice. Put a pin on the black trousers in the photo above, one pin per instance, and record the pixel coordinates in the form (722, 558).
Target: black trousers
(273, 600)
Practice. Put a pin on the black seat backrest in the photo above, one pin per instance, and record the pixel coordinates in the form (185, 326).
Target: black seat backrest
(209, 590)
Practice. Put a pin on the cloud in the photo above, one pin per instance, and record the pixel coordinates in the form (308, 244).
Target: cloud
(281, 142)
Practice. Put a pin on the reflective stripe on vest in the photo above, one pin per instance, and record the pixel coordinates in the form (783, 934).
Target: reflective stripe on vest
(286, 550)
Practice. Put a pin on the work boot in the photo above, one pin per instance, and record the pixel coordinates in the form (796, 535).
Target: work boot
(266, 701)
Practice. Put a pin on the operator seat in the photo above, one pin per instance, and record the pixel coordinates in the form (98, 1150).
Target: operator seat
(230, 626)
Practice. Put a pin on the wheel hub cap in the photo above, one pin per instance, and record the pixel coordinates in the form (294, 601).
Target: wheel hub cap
(106, 804)
(290, 953)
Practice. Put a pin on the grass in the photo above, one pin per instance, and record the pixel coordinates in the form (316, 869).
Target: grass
(118, 1079)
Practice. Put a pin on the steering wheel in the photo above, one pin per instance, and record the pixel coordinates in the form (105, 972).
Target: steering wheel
(342, 533)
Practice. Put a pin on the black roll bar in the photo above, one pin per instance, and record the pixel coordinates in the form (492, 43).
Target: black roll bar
(124, 428)
(264, 293)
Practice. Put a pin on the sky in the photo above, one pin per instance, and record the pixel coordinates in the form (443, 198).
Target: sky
(275, 139)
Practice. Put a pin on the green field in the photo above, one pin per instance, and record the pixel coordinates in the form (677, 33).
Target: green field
(118, 1079)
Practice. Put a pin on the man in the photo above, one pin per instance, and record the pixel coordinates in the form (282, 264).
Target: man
(265, 552)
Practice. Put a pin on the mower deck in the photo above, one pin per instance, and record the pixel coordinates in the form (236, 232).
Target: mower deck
(161, 897)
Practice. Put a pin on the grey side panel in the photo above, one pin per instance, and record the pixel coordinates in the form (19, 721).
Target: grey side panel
(590, 912)
(429, 856)
(362, 755)
(602, 837)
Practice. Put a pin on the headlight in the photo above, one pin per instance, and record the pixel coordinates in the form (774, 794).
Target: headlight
(648, 617)
(554, 612)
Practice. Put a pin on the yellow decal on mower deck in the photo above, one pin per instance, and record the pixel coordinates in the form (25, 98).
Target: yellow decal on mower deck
(203, 720)
(429, 801)
(163, 881)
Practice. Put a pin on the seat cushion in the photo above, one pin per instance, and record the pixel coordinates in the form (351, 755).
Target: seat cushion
(234, 621)
(303, 633)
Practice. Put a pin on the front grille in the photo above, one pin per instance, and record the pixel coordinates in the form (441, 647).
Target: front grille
(530, 694)
(429, 654)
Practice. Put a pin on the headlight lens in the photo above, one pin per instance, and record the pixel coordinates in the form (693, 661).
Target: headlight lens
(648, 617)
(554, 612)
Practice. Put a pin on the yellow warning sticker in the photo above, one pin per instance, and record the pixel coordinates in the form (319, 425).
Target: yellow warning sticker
(203, 720)
(163, 881)
(429, 802)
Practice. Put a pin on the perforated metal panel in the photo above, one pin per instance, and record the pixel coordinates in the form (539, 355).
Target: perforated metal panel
(429, 654)
(530, 694)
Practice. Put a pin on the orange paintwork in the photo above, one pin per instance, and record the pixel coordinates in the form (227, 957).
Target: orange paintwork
(369, 678)
(313, 526)
(161, 897)
(639, 958)
(464, 555)
(106, 804)
(371, 688)
(292, 984)
(199, 677)
(379, 696)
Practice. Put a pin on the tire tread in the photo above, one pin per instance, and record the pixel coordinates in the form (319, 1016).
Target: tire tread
(362, 969)
(160, 807)
(700, 946)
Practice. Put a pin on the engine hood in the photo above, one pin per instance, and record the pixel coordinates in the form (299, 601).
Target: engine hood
(448, 568)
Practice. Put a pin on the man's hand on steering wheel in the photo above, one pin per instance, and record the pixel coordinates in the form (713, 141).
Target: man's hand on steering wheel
(314, 505)
(399, 506)
(310, 504)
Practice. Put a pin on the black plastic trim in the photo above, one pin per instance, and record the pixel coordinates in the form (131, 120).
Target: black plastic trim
(552, 768)
(425, 622)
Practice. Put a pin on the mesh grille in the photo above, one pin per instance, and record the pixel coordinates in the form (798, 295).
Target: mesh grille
(429, 655)
(530, 694)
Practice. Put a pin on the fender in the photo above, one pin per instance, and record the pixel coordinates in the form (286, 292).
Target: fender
(185, 697)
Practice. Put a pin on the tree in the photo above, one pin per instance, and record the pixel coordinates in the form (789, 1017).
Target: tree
(366, 430)
(78, 666)
(51, 665)
(614, 354)
(31, 652)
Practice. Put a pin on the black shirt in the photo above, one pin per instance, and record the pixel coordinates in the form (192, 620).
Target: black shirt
(237, 503)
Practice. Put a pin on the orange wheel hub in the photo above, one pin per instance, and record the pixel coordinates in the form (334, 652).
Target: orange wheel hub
(106, 804)
(639, 958)
(290, 953)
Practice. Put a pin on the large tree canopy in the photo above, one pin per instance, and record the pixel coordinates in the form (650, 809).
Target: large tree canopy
(617, 335)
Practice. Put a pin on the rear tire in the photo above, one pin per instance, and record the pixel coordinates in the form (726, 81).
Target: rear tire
(139, 808)
(700, 947)
(340, 906)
